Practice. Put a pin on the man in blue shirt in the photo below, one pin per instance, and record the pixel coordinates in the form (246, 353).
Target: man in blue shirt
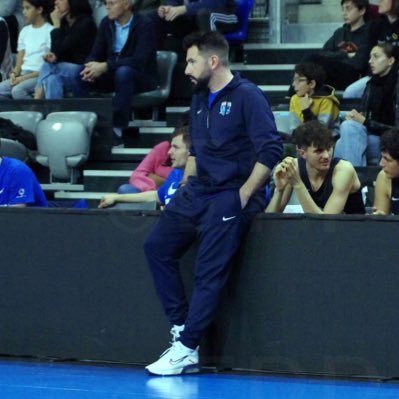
(18, 185)
(178, 154)
(234, 146)
(123, 58)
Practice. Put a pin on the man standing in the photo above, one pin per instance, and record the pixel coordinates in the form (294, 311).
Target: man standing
(123, 58)
(234, 147)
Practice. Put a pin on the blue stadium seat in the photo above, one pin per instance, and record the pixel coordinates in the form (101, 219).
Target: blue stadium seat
(243, 10)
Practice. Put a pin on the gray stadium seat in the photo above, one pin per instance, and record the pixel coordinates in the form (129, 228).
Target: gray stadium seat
(26, 119)
(13, 149)
(166, 61)
(88, 119)
(62, 146)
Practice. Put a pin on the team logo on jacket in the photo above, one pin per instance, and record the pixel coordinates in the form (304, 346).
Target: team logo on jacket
(225, 108)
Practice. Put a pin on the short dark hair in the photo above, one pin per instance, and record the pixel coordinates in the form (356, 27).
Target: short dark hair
(359, 4)
(311, 71)
(313, 133)
(389, 49)
(209, 42)
(79, 7)
(389, 143)
(44, 4)
(183, 130)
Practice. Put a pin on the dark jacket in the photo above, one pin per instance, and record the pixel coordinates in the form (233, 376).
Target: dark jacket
(194, 6)
(235, 133)
(344, 41)
(378, 102)
(384, 31)
(73, 43)
(139, 51)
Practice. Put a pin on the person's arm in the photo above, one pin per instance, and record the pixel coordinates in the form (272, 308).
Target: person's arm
(189, 170)
(158, 180)
(328, 110)
(4, 39)
(382, 195)
(343, 180)
(282, 191)
(111, 199)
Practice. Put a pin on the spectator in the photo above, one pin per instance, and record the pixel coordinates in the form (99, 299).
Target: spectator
(383, 29)
(321, 183)
(180, 17)
(18, 185)
(313, 99)
(345, 54)
(33, 43)
(72, 21)
(5, 51)
(359, 133)
(386, 193)
(11, 11)
(123, 58)
(152, 171)
(178, 154)
(234, 147)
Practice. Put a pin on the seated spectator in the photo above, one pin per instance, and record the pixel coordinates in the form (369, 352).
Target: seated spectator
(386, 193)
(18, 185)
(123, 59)
(5, 51)
(152, 171)
(33, 43)
(345, 54)
(178, 153)
(180, 17)
(383, 29)
(322, 184)
(11, 11)
(313, 99)
(72, 21)
(360, 132)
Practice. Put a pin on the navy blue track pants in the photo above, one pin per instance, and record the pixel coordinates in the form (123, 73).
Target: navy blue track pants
(220, 224)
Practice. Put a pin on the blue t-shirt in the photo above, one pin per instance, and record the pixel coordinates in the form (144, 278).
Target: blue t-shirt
(166, 191)
(18, 185)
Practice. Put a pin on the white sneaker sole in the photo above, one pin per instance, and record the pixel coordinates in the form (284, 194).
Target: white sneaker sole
(190, 369)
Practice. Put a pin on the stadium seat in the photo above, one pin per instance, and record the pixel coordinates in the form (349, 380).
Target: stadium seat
(28, 120)
(243, 10)
(88, 119)
(13, 149)
(62, 146)
(166, 61)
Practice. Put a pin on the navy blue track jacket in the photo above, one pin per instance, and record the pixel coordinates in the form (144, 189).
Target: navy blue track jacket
(235, 133)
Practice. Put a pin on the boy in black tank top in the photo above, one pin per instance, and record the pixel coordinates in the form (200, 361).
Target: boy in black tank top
(322, 184)
(386, 195)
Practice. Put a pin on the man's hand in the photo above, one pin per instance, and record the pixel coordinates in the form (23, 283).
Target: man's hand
(174, 12)
(162, 11)
(93, 70)
(292, 171)
(305, 102)
(14, 80)
(107, 200)
(51, 58)
(355, 116)
(280, 177)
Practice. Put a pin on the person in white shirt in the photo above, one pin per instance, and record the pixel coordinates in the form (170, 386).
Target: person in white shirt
(33, 42)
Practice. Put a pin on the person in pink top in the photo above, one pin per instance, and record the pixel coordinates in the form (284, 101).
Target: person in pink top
(151, 172)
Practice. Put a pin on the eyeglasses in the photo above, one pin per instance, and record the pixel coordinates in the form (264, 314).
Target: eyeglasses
(297, 80)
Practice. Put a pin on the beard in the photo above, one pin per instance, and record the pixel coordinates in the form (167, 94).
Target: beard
(201, 84)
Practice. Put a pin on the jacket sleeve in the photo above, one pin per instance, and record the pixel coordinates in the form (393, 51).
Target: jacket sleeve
(330, 48)
(99, 50)
(4, 39)
(261, 128)
(375, 127)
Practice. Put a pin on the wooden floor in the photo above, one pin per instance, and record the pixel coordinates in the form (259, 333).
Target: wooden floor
(44, 380)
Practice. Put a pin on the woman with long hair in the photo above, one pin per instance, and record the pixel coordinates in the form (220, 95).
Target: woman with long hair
(71, 42)
(360, 132)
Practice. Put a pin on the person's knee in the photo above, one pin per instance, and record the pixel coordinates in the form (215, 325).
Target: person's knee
(124, 75)
(349, 129)
(18, 92)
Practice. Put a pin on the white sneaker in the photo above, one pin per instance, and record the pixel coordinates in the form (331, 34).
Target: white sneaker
(178, 359)
(176, 331)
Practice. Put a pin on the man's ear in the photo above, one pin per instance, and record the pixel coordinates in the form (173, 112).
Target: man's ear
(213, 61)
(300, 152)
(312, 84)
